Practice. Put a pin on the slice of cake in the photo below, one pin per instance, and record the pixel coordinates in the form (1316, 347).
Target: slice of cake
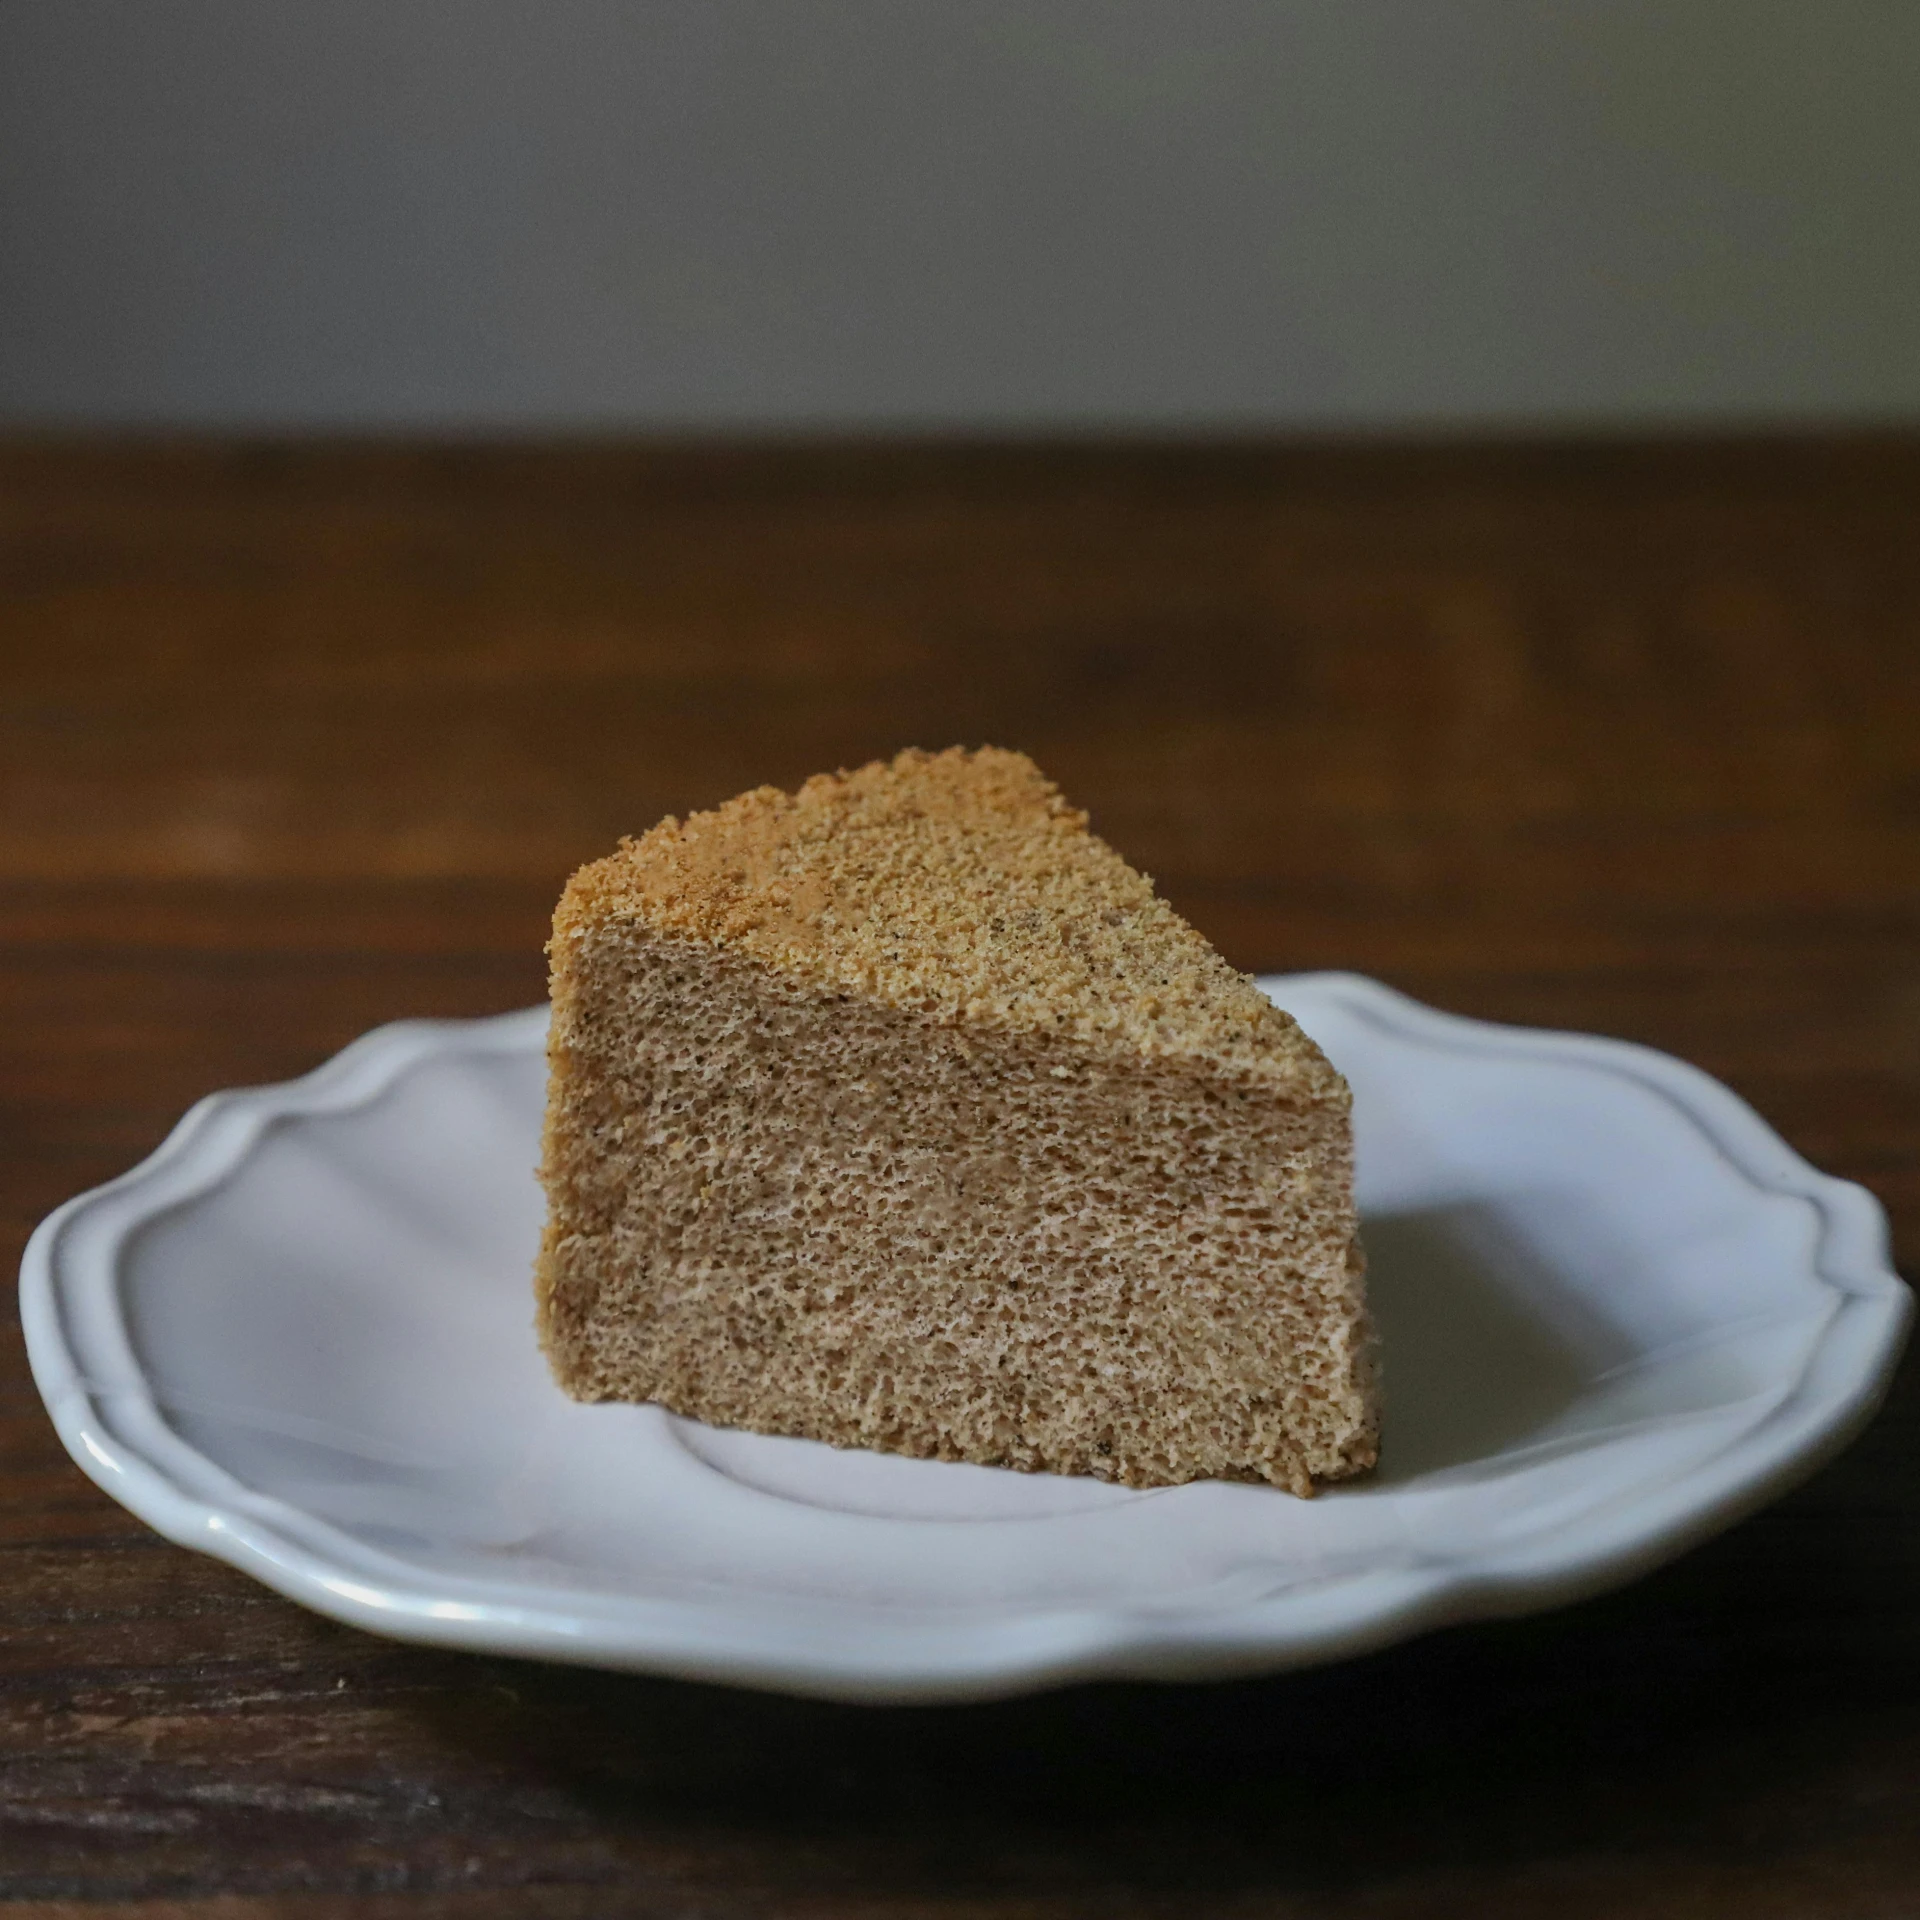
(900, 1112)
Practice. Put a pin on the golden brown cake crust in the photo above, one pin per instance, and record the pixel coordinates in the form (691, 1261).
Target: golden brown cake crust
(851, 884)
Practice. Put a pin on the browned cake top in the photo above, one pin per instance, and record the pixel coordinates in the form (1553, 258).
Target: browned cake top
(960, 884)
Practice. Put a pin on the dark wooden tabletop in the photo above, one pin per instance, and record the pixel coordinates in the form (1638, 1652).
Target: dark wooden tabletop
(1626, 738)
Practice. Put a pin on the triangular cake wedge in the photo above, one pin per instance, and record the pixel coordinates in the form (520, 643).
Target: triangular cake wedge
(902, 1113)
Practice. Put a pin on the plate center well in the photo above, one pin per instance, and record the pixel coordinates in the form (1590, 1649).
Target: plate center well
(889, 1486)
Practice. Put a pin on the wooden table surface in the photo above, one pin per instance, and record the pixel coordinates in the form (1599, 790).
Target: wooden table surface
(1627, 738)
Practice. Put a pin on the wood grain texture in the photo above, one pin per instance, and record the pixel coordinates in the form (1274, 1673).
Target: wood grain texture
(296, 740)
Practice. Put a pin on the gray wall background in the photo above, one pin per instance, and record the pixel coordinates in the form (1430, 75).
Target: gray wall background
(895, 214)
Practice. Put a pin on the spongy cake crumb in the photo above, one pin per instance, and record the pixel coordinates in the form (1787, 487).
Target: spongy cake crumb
(901, 1112)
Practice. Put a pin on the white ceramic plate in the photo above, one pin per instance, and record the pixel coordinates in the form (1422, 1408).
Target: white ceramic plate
(1617, 1312)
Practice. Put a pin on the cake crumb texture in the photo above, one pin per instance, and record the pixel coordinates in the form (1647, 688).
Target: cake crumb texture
(901, 1112)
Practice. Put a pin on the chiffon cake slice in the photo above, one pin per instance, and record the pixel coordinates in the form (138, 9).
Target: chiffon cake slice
(901, 1113)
